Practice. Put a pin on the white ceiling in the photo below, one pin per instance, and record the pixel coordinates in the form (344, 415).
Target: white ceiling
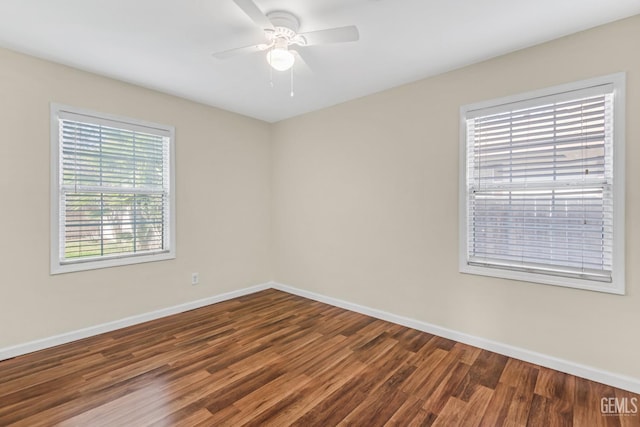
(167, 44)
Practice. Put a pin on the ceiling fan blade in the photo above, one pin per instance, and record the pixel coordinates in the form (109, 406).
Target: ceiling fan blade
(332, 35)
(231, 53)
(254, 12)
(300, 63)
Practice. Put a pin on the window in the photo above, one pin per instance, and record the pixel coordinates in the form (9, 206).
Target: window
(542, 186)
(112, 191)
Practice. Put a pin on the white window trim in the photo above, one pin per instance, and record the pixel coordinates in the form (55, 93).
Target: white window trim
(117, 260)
(617, 285)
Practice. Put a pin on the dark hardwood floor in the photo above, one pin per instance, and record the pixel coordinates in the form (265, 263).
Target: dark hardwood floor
(276, 359)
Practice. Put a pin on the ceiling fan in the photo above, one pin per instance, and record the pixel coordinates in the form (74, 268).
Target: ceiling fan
(281, 32)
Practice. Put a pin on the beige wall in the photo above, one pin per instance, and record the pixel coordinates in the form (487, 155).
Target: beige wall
(358, 202)
(366, 206)
(223, 204)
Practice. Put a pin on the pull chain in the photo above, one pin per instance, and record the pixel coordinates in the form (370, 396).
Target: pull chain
(271, 76)
(292, 94)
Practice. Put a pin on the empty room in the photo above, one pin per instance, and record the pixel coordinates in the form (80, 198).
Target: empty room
(318, 213)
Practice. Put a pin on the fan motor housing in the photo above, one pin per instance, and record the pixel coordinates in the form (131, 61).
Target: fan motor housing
(286, 24)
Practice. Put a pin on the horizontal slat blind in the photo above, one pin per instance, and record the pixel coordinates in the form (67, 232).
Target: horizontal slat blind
(539, 187)
(114, 189)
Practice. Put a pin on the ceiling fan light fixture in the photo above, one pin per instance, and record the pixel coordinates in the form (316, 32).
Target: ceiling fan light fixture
(280, 59)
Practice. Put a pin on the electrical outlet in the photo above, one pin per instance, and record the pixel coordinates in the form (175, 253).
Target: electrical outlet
(195, 278)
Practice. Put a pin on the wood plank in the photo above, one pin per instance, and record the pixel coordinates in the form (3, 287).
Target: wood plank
(447, 387)
(408, 411)
(522, 376)
(485, 371)
(550, 412)
(457, 412)
(382, 402)
(587, 408)
(310, 396)
(498, 407)
(555, 385)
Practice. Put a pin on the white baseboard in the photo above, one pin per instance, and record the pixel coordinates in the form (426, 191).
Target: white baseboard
(588, 372)
(29, 347)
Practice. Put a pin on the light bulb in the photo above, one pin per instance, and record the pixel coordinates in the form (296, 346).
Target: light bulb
(280, 59)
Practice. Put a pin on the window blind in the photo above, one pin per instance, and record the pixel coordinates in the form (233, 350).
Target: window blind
(113, 188)
(539, 185)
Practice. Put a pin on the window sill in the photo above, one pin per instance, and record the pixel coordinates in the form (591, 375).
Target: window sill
(60, 268)
(615, 287)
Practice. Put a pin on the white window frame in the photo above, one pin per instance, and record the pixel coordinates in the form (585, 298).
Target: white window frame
(57, 266)
(617, 285)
